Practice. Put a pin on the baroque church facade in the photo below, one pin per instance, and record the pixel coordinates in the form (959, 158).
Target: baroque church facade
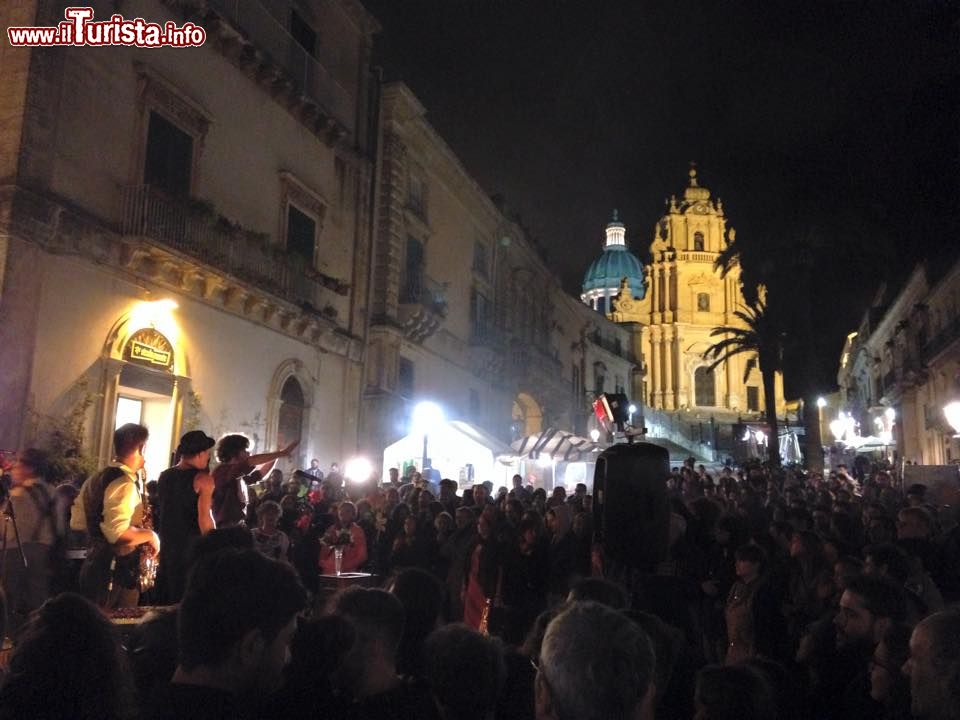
(674, 303)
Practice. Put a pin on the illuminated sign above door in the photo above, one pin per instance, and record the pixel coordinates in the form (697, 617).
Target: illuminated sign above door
(151, 348)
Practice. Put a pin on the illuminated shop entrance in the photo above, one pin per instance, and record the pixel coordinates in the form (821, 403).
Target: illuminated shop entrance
(144, 382)
(145, 394)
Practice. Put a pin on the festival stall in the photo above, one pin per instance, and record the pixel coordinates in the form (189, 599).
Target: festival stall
(552, 458)
(457, 450)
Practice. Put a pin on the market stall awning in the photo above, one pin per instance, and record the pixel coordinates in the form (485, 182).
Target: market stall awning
(557, 444)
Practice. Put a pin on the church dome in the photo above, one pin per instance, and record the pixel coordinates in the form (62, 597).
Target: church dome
(616, 263)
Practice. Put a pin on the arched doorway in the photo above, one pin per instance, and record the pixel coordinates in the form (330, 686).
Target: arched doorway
(705, 387)
(144, 381)
(289, 401)
(527, 415)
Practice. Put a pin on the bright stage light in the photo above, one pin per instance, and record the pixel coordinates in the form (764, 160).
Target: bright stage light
(952, 413)
(358, 470)
(544, 461)
(426, 416)
(838, 429)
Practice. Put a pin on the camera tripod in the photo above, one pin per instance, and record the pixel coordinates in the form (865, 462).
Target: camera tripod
(10, 518)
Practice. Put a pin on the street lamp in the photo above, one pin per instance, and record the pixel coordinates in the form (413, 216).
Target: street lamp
(632, 409)
(426, 415)
(821, 402)
(595, 435)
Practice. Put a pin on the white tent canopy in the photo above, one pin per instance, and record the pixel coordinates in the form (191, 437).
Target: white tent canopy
(457, 450)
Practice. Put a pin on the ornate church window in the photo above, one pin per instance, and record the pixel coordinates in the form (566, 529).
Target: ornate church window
(698, 241)
(703, 302)
(705, 388)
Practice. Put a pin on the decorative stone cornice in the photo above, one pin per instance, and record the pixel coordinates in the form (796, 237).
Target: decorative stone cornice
(75, 233)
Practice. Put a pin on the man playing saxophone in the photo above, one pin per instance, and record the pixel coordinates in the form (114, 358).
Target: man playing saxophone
(110, 508)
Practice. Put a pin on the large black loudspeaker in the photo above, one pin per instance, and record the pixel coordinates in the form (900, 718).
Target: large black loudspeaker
(630, 507)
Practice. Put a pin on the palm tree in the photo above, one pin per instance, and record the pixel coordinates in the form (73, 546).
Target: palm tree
(761, 336)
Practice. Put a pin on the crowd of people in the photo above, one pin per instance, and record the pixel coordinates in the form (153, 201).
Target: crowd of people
(785, 594)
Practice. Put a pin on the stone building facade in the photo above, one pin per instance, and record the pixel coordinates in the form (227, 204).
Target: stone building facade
(186, 232)
(902, 366)
(465, 311)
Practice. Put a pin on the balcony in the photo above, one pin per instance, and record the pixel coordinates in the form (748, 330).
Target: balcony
(257, 40)
(193, 230)
(697, 256)
(949, 334)
(487, 349)
(423, 306)
(538, 371)
(613, 345)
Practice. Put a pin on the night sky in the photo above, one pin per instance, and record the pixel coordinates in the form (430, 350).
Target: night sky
(835, 120)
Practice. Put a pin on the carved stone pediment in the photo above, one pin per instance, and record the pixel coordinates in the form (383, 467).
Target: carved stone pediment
(624, 302)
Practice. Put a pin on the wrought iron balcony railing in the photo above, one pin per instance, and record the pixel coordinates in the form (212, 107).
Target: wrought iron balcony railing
(190, 228)
(426, 292)
(264, 24)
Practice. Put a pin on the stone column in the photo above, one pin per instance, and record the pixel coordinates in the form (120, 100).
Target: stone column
(655, 371)
(669, 401)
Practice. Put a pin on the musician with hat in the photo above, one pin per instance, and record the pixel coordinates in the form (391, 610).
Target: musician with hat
(185, 511)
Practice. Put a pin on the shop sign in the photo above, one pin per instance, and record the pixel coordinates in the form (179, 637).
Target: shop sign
(149, 347)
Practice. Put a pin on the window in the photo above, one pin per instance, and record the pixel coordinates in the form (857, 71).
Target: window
(411, 279)
(479, 314)
(474, 405)
(577, 385)
(169, 158)
(618, 385)
(292, 404)
(703, 302)
(405, 377)
(705, 391)
(602, 305)
(698, 241)
(301, 235)
(305, 35)
(480, 266)
(753, 398)
(416, 195)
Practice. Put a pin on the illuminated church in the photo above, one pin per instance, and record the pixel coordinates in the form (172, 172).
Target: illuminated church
(674, 304)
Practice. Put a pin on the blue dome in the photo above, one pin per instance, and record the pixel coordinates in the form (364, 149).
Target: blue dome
(616, 263)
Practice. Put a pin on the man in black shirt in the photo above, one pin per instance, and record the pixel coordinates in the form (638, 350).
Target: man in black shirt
(186, 512)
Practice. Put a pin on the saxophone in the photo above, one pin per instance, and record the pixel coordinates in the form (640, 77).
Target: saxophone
(149, 563)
